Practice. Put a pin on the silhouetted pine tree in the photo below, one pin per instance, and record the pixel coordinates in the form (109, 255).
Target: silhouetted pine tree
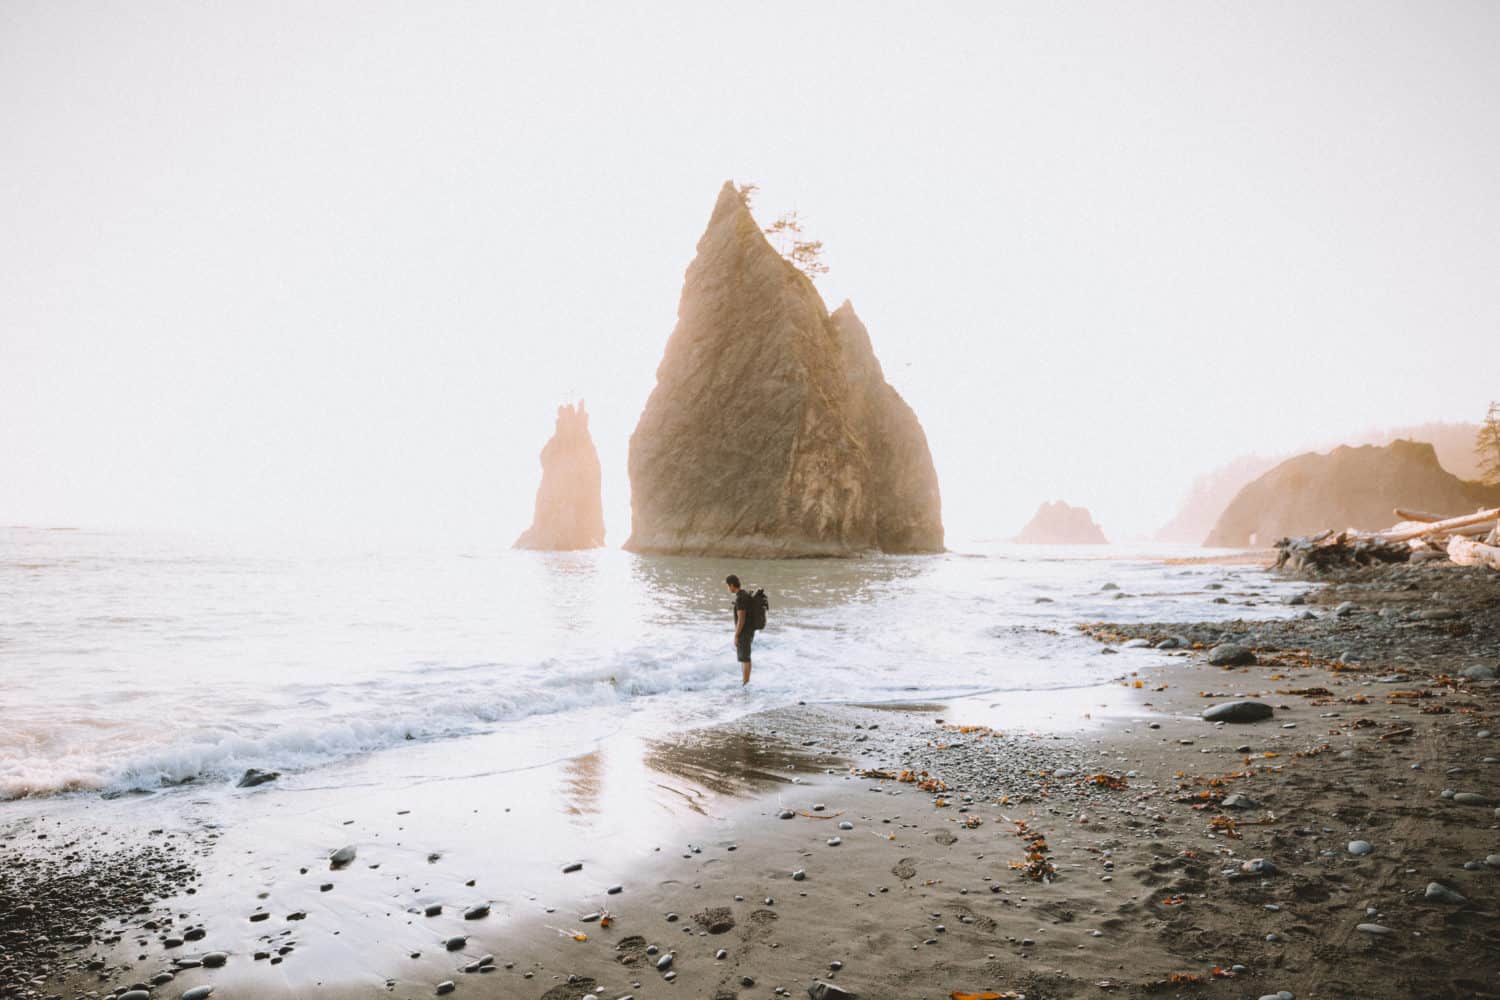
(1487, 445)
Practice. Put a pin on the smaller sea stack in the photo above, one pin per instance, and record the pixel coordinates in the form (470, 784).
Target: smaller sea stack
(1057, 523)
(569, 511)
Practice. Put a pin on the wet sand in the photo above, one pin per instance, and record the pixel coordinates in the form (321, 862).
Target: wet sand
(1098, 849)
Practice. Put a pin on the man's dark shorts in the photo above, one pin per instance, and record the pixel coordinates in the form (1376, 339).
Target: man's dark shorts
(742, 644)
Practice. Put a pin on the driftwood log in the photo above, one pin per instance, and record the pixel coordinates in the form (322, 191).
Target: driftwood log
(1407, 514)
(1327, 550)
(1446, 526)
(1467, 552)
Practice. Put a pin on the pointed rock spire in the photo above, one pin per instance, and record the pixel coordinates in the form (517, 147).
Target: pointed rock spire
(771, 430)
(569, 510)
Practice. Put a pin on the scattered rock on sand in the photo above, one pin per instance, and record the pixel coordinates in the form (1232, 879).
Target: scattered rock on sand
(1372, 929)
(1470, 799)
(1238, 801)
(342, 856)
(1441, 893)
(1231, 654)
(477, 912)
(828, 991)
(1238, 711)
(1478, 672)
(1359, 848)
(198, 993)
(216, 959)
(456, 943)
(255, 776)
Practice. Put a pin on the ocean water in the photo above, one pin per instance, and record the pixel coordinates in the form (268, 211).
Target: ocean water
(132, 661)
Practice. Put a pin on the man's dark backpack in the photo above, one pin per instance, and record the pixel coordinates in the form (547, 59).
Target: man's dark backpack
(759, 605)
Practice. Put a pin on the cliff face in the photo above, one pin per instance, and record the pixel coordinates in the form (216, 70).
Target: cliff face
(1346, 488)
(772, 431)
(569, 511)
(1057, 523)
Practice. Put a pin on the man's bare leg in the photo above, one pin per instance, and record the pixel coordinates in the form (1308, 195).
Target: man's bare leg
(745, 672)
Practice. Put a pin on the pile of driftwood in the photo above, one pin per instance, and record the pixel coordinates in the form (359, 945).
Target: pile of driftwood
(1467, 540)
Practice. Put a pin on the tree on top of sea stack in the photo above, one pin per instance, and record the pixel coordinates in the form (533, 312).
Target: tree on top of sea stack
(772, 431)
(805, 255)
(569, 510)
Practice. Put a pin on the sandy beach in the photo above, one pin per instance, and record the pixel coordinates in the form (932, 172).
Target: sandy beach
(1118, 846)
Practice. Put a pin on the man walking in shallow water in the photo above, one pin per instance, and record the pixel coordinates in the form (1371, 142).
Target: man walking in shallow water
(744, 635)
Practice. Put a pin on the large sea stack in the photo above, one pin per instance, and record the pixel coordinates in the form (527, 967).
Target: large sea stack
(1346, 488)
(1058, 523)
(772, 431)
(569, 511)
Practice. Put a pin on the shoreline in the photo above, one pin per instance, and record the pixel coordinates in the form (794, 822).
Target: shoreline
(1134, 800)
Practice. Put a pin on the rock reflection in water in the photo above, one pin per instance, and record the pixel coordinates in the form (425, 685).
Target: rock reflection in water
(583, 783)
(732, 763)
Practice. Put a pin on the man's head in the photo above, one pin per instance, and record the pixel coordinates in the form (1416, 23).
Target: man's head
(732, 582)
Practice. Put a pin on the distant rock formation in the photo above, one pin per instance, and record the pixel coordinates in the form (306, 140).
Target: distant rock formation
(1453, 442)
(1346, 488)
(1057, 523)
(772, 431)
(1210, 494)
(569, 511)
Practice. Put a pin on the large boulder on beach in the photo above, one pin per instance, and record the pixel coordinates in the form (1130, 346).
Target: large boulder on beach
(1057, 523)
(1231, 654)
(1346, 488)
(1238, 711)
(772, 431)
(569, 509)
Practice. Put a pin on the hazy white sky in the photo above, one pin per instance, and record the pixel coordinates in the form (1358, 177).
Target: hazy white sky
(333, 265)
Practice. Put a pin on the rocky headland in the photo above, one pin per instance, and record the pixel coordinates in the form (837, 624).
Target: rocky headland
(772, 431)
(1345, 488)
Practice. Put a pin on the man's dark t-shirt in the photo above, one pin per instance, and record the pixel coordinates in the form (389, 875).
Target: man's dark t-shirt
(743, 601)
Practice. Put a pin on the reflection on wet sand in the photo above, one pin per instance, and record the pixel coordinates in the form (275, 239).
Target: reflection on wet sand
(902, 706)
(732, 763)
(583, 783)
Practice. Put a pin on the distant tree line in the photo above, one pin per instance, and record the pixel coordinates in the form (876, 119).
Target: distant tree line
(1487, 445)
